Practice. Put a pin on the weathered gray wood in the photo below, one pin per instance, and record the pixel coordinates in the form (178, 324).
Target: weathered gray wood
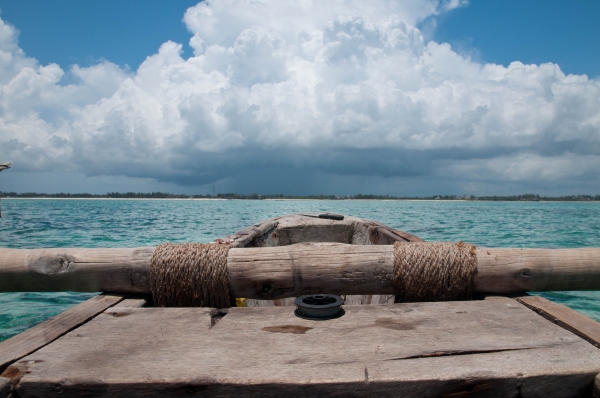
(348, 300)
(369, 299)
(81, 270)
(134, 303)
(286, 271)
(286, 302)
(300, 228)
(564, 316)
(256, 235)
(38, 336)
(5, 387)
(478, 348)
(522, 270)
(277, 272)
(289, 271)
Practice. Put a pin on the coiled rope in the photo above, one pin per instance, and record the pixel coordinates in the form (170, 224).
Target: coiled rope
(195, 274)
(428, 271)
(190, 275)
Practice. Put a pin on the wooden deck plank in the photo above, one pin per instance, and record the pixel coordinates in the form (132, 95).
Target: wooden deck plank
(134, 303)
(40, 335)
(5, 387)
(522, 373)
(349, 300)
(574, 321)
(481, 348)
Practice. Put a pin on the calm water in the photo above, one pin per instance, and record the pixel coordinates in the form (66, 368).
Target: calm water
(131, 223)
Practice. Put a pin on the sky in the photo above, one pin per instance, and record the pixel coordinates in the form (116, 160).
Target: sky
(413, 97)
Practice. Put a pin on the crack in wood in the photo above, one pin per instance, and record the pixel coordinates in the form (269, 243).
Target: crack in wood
(467, 352)
(564, 317)
(216, 316)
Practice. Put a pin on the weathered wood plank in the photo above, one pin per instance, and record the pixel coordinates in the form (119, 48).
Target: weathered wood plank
(267, 273)
(299, 228)
(484, 348)
(564, 316)
(510, 270)
(134, 302)
(40, 335)
(286, 302)
(348, 300)
(80, 270)
(288, 271)
(369, 299)
(5, 387)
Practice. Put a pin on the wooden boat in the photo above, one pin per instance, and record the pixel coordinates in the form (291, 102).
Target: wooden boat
(318, 228)
(502, 343)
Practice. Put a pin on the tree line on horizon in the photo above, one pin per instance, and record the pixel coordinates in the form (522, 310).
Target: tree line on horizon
(164, 195)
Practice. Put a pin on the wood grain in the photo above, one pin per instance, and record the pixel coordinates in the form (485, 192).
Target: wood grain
(80, 270)
(576, 322)
(135, 303)
(289, 271)
(5, 387)
(285, 271)
(267, 273)
(300, 228)
(477, 348)
(364, 299)
(514, 270)
(40, 335)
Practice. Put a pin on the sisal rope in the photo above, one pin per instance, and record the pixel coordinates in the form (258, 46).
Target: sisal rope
(190, 275)
(426, 271)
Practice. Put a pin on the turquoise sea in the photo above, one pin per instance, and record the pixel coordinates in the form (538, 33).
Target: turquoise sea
(38, 223)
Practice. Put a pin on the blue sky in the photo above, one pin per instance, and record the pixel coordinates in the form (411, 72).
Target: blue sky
(125, 32)
(82, 32)
(416, 97)
(532, 31)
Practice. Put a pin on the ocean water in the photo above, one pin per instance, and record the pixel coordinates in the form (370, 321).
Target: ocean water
(29, 223)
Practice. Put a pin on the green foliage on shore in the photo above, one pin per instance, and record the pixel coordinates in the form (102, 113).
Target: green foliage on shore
(529, 197)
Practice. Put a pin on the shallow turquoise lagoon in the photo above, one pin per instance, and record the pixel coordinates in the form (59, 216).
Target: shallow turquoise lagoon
(38, 223)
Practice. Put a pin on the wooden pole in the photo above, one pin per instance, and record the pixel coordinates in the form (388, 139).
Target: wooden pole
(79, 270)
(288, 271)
(537, 270)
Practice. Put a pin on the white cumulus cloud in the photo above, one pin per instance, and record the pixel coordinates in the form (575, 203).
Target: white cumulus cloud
(300, 88)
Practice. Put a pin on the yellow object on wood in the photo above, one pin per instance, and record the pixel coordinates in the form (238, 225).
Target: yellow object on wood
(241, 302)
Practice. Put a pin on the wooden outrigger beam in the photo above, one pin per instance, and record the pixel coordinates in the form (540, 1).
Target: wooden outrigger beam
(288, 271)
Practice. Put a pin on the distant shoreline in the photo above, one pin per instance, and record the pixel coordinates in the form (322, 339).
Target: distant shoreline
(528, 197)
(221, 199)
(304, 199)
(94, 198)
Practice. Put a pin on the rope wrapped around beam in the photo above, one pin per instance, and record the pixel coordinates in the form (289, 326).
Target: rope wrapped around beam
(190, 275)
(429, 271)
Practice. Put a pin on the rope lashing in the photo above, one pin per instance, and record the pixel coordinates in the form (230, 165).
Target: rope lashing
(428, 271)
(190, 275)
(195, 274)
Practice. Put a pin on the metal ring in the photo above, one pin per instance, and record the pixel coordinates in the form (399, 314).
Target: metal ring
(319, 307)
